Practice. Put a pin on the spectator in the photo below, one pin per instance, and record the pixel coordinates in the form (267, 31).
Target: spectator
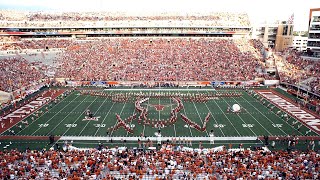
(161, 59)
(165, 162)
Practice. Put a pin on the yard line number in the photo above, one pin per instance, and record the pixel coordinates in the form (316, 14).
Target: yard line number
(70, 125)
(247, 125)
(277, 125)
(43, 125)
(99, 125)
(219, 125)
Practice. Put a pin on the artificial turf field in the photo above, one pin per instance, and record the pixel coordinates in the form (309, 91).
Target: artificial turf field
(66, 117)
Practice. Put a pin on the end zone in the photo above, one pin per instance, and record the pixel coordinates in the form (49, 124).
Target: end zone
(305, 116)
(27, 109)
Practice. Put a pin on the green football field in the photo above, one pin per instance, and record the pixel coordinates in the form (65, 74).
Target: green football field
(67, 119)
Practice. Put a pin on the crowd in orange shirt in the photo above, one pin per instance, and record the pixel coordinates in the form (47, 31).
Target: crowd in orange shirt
(42, 44)
(295, 70)
(17, 72)
(12, 18)
(167, 162)
(161, 59)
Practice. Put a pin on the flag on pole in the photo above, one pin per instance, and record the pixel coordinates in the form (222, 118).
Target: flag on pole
(291, 19)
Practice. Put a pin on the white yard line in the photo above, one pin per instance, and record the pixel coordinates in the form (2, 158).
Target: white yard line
(134, 109)
(199, 115)
(183, 121)
(130, 142)
(94, 114)
(212, 115)
(65, 117)
(241, 118)
(76, 118)
(144, 126)
(42, 114)
(277, 115)
(159, 111)
(174, 126)
(266, 116)
(163, 138)
(227, 117)
(105, 116)
(131, 121)
(116, 119)
(290, 124)
(255, 119)
(55, 115)
(104, 119)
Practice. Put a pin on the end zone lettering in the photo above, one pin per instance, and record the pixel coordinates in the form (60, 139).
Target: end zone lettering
(303, 116)
(28, 108)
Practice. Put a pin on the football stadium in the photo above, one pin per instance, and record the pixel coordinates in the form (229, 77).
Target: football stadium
(105, 95)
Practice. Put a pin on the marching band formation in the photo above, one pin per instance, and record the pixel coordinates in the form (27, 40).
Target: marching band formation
(187, 97)
(123, 123)
(141, 97)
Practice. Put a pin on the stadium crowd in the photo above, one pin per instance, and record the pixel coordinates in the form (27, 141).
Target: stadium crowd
(61, 19)
(17, 72)
(43, 44)
(5, 39)
(182, 59)
(169, 161)
(158, 59)
(150, 59)
(294, 70)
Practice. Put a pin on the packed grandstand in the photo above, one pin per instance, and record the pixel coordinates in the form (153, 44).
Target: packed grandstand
(91, 19)
(67, 50)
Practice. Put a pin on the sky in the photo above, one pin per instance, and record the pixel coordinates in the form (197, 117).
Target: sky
(258, 10)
